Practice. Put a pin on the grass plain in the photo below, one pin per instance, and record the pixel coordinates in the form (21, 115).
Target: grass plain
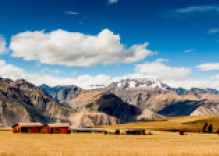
(161, 143)
(186, 123)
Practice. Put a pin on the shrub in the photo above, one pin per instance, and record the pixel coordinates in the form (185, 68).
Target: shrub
(181, 133)
(117, 132)
(210, 128)
(69, 131)
(204, 127)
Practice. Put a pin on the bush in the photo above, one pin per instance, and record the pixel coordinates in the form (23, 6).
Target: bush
(117, 132)
(210, 128)
(204, 128)
(69, 131)
(181, 133)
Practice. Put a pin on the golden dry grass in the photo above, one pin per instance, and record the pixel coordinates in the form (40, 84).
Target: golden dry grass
(187, 124)
(160, 143)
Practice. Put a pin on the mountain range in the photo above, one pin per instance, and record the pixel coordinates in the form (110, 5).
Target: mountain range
(146, 94)
(125, 101)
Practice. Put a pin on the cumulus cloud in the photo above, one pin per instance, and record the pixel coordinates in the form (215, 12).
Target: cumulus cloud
(215, 77)
(193, 83)
(75, 49)
(159, 70)
(10, 71)
(198, 9)
(43, 77)
(3, 47)
(101, 80)
(208, 66)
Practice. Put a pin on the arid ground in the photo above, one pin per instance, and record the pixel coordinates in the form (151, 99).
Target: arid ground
(162, 143)
(185, 123)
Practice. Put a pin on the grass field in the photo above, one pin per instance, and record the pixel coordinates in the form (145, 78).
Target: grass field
(160, 143)
(187, 124)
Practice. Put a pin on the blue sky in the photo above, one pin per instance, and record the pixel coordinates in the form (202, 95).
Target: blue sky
(39, 41)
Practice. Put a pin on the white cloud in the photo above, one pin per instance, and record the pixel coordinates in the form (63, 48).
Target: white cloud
(213, 30)
(160, 60)
(84, 81)
(208, 66)
(3, 47)
(215, 77)
(198, 9)
(75, 49)
(193, 83)
(10, 71)
(189, 50)
(71, 13)
(88, 81)
(112, 1)
(157, 69)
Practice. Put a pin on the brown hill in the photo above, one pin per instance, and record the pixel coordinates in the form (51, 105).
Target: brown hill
(160, 98)
(111, 105)
(21, 101)
(151, 99)
(90, 119)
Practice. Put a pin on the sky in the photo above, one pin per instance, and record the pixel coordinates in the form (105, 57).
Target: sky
(92, 43)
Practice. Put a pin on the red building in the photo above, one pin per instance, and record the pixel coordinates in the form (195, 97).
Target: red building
(56, 128)
(34, 127)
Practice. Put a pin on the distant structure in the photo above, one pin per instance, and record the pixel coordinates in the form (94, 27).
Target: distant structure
(132, 131)
(88, 130)
(34, 127)
(56, 128)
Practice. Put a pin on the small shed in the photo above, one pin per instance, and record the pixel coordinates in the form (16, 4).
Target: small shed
(88, 130)
(56, 128)
(133, 131)
(32, 127)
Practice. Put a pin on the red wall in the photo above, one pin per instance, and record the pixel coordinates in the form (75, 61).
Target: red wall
(25, 129)
(63, 130)
(35, 129)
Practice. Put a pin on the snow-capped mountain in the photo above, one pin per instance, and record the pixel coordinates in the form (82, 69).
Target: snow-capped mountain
(144, 93)
(144, 83)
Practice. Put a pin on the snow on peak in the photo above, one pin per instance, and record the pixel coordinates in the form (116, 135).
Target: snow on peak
(141, 83)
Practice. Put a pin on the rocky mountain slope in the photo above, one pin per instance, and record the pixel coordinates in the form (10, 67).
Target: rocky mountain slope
(206, 109)
(112, 105)
(149, 94)
(160, 98)
(63, 94)
(21, 101)
(125, 101)
(88, 119)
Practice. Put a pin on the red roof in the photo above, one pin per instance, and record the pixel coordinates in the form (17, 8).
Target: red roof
(31, 124)
(59, 125)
